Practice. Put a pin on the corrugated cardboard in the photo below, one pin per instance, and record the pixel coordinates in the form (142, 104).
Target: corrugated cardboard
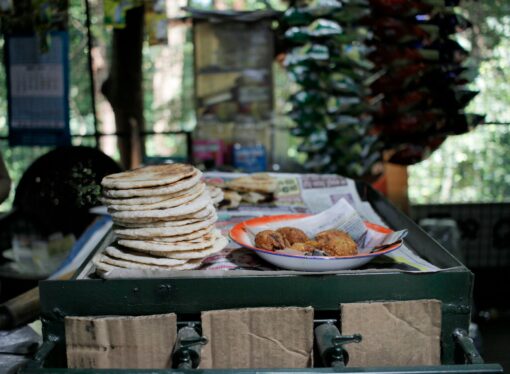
(258, 338)
(120, 342)
(394, 333)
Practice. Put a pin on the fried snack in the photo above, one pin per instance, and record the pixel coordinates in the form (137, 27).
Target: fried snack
(308, 246)
(270, 240)
(337, 243)
(293, 235)
(330, 234)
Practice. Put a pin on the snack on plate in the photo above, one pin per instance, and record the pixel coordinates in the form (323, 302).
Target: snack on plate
(333, 243)
(271, 240)
(306, 247)
(293, 235)
(337, 243)
(163, 218)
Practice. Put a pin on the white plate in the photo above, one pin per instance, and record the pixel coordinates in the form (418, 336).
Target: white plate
(240, 235)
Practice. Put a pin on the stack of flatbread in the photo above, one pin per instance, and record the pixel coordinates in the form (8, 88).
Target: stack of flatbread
(163, 219)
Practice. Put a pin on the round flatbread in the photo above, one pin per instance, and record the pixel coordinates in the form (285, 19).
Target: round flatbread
(180, 185)
(257, 182)
(191, 207)
(213, 190)
(153, 246)
(104, 268)
(150, 199)
(200, 215)
(217, 199)
(134, 265)
(101, 267)
(155, 232)
(213, 217)
(194, 237)
(148, 176)
(216, 194)
(219, 243)
(169, 203)
(140, 258)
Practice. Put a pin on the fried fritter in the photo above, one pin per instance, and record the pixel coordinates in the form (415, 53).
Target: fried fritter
(271, 240)
(337, 243)
(330, 234)
(293, 235)
(308, 246)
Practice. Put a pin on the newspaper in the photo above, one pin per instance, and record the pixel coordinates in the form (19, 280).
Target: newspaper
(297, 193)
(308, 193)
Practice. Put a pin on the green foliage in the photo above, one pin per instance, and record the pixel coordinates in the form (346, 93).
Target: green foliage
(475, 167)
(468, 168)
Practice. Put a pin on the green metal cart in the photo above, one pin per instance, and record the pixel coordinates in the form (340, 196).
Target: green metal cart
(187, 297)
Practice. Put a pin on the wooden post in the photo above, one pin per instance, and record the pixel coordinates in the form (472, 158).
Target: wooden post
(124, 89)
(396, 185)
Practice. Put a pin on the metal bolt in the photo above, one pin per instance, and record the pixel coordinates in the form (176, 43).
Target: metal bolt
(164, 289)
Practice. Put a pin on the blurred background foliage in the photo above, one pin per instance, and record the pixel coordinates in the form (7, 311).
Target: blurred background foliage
(474, 167)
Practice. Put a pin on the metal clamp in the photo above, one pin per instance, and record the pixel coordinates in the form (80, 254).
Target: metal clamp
(469, 351)
(188, 346)
(330, 344)
(45, 349)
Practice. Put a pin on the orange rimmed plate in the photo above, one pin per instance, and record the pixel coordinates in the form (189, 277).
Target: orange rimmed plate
(239, 234)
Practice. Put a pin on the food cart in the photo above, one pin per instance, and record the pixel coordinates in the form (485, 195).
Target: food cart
(190, 293)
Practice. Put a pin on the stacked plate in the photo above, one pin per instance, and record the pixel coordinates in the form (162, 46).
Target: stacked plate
(164, 219)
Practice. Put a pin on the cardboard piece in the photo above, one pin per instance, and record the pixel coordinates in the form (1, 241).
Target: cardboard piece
(258, 338)
(120, 342)
(402, 333)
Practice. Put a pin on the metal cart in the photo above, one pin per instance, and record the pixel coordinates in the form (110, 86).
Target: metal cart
(187, 297)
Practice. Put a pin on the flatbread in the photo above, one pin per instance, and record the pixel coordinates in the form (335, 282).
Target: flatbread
(148, 176)
(153, 246)
(253, 197)
(217, 199)
(219, 243)
(180, 185)
(140, 258)
(150, 199)
(169, 203)
(216, 194)
(194, 237)
(134, 265)
(260, 182)
(231, 199)
(168, 223)
(191, 207)
(213, 190)
(103, 268)
(175, 231)
(201, 214)
(146, 235)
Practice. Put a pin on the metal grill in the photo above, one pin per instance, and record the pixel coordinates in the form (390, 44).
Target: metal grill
(484, 228)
